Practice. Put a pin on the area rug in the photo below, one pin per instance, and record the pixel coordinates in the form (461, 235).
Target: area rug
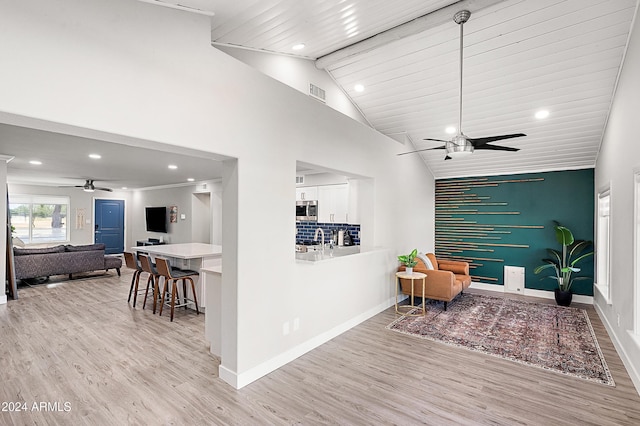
(551, 337)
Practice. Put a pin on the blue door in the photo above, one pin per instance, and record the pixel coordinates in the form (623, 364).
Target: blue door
(109, 226)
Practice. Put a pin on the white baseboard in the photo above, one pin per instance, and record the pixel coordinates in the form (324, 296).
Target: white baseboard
(631, 370)
(544, 294)
(3, 299)
(240, 380)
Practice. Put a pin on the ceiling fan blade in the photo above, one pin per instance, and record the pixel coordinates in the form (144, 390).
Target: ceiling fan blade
(103, 189)
(478, 142)
(420, 150)
(498, 148)
(437, 140)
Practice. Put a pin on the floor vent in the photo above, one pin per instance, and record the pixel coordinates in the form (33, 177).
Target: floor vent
(317, 93)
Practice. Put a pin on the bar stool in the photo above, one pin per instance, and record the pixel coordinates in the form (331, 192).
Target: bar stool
(132, 263)
(171, 277)
(154, 278)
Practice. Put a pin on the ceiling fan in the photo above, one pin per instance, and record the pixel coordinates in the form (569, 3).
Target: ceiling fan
(90, 187)
(461, 145)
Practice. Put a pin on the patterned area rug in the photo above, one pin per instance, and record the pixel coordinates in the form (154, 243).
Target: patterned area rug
(551, 337)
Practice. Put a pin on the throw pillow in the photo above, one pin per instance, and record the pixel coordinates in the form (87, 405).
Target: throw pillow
(425, 260)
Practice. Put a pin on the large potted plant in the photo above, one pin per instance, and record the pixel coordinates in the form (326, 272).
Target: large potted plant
(409, 261)
(564, 263)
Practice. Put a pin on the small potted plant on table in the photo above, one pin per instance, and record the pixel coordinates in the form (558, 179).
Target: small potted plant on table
(409, 261)
(564, 263)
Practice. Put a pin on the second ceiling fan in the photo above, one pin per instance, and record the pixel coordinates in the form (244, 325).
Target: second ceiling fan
(461, 145)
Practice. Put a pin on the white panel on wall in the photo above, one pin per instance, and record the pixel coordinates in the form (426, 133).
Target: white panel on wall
(514, 279)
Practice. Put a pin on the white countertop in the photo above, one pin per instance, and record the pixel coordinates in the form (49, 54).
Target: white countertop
(328, 254)
(183, 251)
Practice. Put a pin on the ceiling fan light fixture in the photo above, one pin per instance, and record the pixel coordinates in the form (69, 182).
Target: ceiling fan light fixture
(88, 189)
(458, 146)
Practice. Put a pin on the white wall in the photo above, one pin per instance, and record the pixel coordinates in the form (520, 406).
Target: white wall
(297, 73)
(3, 232)
(618, 159)
(134, 70)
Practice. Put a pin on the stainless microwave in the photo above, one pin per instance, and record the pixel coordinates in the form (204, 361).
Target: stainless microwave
(307, 210)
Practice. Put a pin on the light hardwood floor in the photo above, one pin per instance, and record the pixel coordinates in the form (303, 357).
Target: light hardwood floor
(79, 342)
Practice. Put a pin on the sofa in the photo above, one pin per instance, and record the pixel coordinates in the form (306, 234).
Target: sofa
(62, 260)
(445, 278)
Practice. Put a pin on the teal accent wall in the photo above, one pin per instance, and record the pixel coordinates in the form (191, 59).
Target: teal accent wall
(507, 220)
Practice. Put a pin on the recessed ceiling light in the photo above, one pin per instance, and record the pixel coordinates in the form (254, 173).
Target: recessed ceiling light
(95, 156)
(35, 162)
(358, 88)
(124, 187)
(173, 166)
(543, 113)
(298, 46)
(190, 180)
(451, 130)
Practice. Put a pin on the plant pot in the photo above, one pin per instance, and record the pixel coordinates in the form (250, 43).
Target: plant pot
(563, 298)
(408, 270)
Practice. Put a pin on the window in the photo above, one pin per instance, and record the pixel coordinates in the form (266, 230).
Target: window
(603, 244)
(38, 219)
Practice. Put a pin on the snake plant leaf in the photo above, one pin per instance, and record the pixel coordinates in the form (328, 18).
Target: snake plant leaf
(564, 235)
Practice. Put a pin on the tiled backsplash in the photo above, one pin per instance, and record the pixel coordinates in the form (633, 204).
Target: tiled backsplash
(306, 230)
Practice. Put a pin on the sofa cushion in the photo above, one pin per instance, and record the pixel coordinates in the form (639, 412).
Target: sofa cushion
(85, 247)
(17, 251)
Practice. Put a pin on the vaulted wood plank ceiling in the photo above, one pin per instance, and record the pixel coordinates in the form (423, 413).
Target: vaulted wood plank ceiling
(520, 56)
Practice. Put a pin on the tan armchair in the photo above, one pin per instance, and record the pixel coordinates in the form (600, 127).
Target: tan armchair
(444, 282)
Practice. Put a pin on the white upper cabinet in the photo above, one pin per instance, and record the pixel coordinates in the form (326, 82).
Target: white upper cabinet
(306, 193)
(333, 203)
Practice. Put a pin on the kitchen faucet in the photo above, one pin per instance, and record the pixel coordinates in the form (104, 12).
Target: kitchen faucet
(315, 237)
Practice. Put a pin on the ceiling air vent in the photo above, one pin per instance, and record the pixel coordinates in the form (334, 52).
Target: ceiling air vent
(176, 4)
(299, 179)
(317, 93)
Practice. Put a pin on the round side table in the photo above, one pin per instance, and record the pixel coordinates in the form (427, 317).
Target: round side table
(413, 276)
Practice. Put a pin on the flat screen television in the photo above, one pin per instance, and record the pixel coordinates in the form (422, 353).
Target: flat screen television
(156, 218)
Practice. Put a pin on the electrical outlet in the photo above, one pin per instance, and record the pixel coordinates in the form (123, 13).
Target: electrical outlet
(285, 328)
(296, 324)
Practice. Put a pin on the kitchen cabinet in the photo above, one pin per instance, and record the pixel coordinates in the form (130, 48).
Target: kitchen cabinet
(306, 193)
(353, 212)
(333, 203)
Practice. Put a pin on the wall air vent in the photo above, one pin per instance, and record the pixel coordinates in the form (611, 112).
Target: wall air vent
(299, 180)
(317, 93)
